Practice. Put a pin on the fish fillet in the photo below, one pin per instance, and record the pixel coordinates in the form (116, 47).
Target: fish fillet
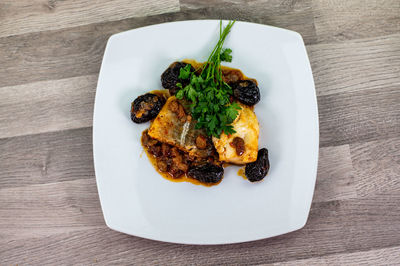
(246, 127)
(168, 128)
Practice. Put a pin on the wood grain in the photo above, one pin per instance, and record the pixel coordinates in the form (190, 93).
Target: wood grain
(47, 106)
(377, 165)
(24, 16)
(195, 4)
(293, 15)
(333, 227)
(46, 158)
(384, 256)
(281, 6)
(78, 51)
(48, 209)
(62, 54)
(337, 20)
(355, 65)
(359, 116)
(335, 179)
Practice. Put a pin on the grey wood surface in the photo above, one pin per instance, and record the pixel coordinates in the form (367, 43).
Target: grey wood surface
(50, 55)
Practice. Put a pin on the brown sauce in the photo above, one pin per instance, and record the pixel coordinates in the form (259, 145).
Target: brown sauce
(162, 93)
(167, 175)
(241, 173)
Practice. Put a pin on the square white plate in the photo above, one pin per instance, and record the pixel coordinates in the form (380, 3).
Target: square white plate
(136, 200)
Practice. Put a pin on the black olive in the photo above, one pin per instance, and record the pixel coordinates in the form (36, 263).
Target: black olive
(207, 173)
(146, 107)
(246, 91)
(170, 77)
(257, 170)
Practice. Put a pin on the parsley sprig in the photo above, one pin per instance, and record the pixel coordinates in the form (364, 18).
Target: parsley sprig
(208, 94)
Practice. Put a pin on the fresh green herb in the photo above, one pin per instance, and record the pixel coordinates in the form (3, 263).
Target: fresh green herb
(226, 55)
(184, 72)
(208, 93)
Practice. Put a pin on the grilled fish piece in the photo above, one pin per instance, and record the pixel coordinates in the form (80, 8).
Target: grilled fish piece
(174, 126)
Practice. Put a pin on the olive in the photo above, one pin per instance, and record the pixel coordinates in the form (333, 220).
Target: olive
(206, 173)
(171, 76)
(257, 170)
(146, 107)
(246, 91)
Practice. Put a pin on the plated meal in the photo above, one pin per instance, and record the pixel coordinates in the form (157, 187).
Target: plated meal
(138, 191)
(203, 120)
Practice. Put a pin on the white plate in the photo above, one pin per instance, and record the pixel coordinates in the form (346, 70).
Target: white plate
(136, 200)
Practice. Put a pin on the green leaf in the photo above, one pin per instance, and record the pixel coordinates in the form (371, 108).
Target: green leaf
(228, 130)
(218, 132)
(235, 105)
(200, 80)
(226, 55)
(210, 95)
(180, 94)
(198, 109)
(212, 123)
(191, 94)
(232, 112)
(184, 72)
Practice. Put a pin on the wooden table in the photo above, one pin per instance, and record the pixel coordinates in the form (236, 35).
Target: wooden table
(50, 55)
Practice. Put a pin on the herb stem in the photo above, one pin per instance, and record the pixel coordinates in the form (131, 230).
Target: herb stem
(208, 93)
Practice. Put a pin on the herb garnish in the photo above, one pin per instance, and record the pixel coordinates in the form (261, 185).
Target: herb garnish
(208, 93)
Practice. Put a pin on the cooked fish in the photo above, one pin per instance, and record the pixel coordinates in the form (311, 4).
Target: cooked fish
(174, 126)
(247, 128)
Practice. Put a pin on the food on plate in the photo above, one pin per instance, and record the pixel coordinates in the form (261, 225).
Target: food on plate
(146, 107)
(203, 120)
(240, 147)
(207, 173)
(170, 77)
(246, 91)
(177, 165)
(257, 170)
(175, 126)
